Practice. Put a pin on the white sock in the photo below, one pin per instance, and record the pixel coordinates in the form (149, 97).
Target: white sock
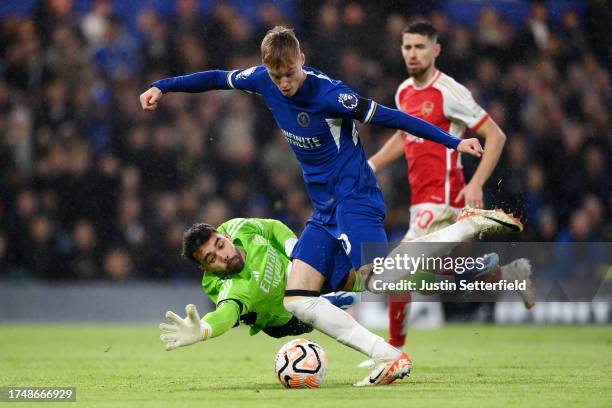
(445, 240)
(338, 324)
(458, 232)
(435, 244)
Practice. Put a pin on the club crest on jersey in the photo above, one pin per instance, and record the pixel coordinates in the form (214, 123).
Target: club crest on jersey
(427, 108)
(303, 119)
(349, 101)
(246, 73)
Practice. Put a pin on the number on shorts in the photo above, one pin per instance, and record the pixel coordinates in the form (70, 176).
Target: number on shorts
(346, 244)
(424, 218)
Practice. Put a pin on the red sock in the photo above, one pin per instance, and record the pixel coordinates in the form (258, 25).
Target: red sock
(397, 318)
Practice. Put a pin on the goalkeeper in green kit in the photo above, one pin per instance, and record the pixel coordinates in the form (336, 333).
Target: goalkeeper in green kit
(245, 263)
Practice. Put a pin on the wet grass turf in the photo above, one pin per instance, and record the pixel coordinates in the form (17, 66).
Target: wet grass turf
(456, 366)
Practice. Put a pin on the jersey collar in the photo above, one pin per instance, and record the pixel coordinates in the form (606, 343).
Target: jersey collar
(428, 84)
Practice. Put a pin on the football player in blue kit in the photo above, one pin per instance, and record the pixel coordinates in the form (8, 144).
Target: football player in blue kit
(316, 115)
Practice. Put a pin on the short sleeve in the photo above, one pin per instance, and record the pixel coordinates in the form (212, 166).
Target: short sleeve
(459, 104)
(250, 79)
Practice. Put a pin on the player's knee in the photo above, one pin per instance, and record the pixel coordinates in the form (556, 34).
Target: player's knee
(295, 298)
(302, 306)
(295, 295)
(298, 302)
(289, 302)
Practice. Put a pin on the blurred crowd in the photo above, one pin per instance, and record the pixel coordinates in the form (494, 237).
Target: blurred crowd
(91, 187)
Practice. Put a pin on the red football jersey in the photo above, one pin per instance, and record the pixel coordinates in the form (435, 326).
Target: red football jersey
(435, 172)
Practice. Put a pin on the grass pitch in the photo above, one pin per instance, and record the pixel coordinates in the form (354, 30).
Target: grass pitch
(459, 366)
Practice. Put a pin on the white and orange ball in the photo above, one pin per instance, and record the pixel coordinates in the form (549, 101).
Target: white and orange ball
(301, 363)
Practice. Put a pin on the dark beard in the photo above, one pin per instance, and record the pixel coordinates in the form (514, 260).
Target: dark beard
(236, 264)
(418, 72)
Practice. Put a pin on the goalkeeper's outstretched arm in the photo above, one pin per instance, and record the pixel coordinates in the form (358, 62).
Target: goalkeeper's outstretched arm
(184, 332)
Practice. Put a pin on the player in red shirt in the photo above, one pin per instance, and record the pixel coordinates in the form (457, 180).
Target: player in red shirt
(435, 173)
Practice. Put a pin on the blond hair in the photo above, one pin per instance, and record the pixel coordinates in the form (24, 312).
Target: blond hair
(279, 47)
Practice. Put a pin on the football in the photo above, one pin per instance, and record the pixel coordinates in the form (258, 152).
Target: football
(301, 363)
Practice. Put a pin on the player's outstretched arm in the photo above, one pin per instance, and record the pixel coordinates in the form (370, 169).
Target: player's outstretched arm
(197, 82)
(249, 80)
(395, 119)
(184, 332)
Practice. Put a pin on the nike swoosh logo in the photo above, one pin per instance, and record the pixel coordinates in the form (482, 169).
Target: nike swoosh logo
(513, 227)
(373, 380)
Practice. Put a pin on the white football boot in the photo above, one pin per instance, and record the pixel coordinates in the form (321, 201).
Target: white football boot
(385, 372)
(489, 222)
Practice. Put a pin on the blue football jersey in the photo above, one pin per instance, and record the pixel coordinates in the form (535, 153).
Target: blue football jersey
(318, 123)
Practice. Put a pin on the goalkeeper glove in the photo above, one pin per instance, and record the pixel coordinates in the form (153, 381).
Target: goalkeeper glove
(184, 332)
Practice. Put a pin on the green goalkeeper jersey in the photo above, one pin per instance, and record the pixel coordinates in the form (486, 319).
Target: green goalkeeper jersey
(256, 293)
